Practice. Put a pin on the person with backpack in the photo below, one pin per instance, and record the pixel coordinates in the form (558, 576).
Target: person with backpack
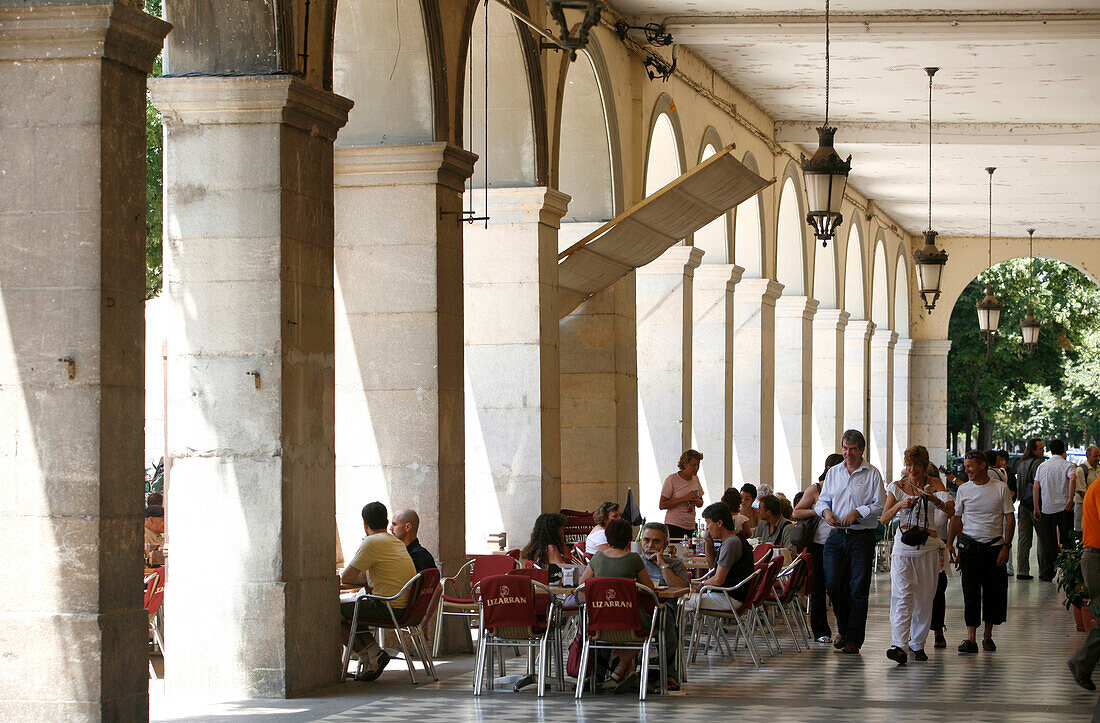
(1034, 454)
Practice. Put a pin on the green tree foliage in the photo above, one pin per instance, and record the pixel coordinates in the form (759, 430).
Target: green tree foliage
(1007, 393)
(154, 188)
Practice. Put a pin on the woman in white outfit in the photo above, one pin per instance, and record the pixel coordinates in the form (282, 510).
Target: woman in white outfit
(914, 568)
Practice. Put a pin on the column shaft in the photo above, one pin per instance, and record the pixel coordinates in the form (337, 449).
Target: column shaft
(928, 396)
(882, 401)
(712, 374)
(72, 282)
(754, 380)
(828, 384)
(250, 605)
(857, 374)
(794, 318)
(399, 330)
(664, 369)
(900, 432)
(513, 414)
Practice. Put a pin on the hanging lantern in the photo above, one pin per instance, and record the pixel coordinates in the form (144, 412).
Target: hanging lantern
(1029, 329)
(989, 308)
(929, 261)
(579, 38)
(825, 174)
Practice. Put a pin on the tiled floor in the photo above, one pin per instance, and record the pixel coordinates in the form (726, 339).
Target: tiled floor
(1026, 679)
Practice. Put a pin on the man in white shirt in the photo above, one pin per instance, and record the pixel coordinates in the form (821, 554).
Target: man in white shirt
(851, 502)
(982, 530)
(1055, 483)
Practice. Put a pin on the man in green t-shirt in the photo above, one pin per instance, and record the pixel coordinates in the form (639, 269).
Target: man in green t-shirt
(383, 566)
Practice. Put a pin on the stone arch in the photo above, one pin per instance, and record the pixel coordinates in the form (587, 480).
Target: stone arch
(664, 157)
(517, 155)
(381, 52)
(748, 234)
(588, 162)
(855, 291)
(880, 285)
(714, 238)
(901, 294)
(790, 240)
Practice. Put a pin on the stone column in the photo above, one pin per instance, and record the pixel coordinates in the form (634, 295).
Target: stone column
(251, 595)
(754, 380)
(900, 432)
(928, 396)
(882, 401)
(857, 374)
(399, 357)
(794, 318)
(828, 385)
(712, 374)
(72, 282)
(599, 391)
(664, 369)
(513, 403)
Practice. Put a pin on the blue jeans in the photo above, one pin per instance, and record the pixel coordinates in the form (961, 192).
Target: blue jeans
(848, 560)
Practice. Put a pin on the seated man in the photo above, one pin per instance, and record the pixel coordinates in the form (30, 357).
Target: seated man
(154, 535)
(404, 526)
(773, 529)
(383, 566)
(665, 570)
(734, 561)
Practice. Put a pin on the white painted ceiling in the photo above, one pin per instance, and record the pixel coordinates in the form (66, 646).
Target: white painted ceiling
(1018, 88)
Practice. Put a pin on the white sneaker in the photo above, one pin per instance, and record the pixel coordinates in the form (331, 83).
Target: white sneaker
(824, 639)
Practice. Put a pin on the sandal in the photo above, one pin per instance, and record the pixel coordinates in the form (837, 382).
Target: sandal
(672, 684)
(612, 682)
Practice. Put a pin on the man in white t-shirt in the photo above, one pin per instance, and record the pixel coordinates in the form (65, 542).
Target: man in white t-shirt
(982, 532)
(1055, 483)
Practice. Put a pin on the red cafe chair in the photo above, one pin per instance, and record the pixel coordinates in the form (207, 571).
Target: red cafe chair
(511, 613)
(454, 604)
(611, 619)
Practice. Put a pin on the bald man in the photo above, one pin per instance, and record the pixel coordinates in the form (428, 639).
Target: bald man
(404, 525)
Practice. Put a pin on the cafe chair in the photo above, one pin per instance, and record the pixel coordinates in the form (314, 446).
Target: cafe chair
(154, 598)
(514, 610)
(742, 614)
(611, 619)
(454, 604)
(763, 551)
(783, 597)
(406, 623)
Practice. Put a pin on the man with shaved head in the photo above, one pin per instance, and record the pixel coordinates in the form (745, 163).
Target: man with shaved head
(404, 526)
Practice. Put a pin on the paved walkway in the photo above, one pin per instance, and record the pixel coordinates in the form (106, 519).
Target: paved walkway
(1026, 679)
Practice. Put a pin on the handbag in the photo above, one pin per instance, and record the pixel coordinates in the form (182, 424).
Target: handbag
(804, 530)
(916, 535)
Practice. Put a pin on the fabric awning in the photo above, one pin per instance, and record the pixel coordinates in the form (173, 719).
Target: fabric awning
(652, 226)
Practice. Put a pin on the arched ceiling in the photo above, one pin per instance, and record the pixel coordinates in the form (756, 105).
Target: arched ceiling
(1019, 88)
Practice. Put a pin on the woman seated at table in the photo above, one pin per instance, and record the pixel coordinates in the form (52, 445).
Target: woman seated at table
(547, 546)
(749, 508)
(597, 540)
(732, 498)
(734, 562)
(617, 561)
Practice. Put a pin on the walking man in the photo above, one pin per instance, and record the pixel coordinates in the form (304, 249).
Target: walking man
(1025, 479)
(851, 502)
(1087, 473)
(1054, 486)
(982, 532)
(1084, 660)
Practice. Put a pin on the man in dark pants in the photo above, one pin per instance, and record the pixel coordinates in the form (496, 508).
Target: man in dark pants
(819, 606)
(851, 502)
(1025, 478)
(1084, 660)
(1055, 483)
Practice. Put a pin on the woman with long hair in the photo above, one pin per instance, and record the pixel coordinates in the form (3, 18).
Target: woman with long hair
(547, 546)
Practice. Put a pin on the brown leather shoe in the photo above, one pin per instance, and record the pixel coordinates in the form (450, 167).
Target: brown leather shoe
(851, 648)
(840, 642)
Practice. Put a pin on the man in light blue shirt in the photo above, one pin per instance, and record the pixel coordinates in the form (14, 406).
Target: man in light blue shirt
(851, 501)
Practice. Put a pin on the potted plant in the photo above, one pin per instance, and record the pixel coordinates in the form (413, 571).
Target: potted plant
(1072, 585)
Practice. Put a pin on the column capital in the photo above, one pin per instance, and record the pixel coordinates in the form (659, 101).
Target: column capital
(217, 100)
(522, 204)
(77, 30)
(403, 165)
(676, 260)
(714, 276)
(766, 289)
(859, 327)
(790, 307)
(884, 337)
(832, 319)
(904, 346)
(931, 347)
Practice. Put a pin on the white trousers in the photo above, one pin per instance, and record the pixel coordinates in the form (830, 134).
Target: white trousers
(712, 600)
(913, 581)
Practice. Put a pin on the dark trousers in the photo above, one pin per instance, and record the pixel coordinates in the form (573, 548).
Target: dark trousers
(1087, 655)
(848, 560)
(819, 605)
(939, 604)
(1051, 528)
(675, 532)
(985, 586)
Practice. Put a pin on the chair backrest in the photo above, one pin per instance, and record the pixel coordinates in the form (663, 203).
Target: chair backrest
(761, 552)
(486, 565)
(770, 569)
(508, 605)
(808, 578)
(154, 591)
(514, 553)
(791, 583)
(421, 597)
(752, 589)
(612, 604)
(535, 573)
